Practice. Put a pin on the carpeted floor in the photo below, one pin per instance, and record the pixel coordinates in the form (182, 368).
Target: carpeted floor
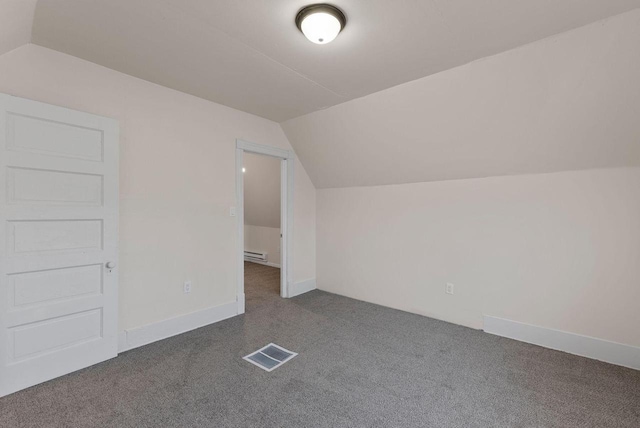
(360, 365)
(261, 285)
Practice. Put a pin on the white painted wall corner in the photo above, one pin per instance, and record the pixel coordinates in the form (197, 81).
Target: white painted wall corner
(140, 336)
(585, 346)
(303, 287)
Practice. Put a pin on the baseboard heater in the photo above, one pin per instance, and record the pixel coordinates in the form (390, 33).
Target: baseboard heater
(252, 256)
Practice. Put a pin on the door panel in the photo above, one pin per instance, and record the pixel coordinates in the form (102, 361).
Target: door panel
(44, 287)
(58, 215)
(45, 336)
(39, 135)
(43, 236)
(37, 186)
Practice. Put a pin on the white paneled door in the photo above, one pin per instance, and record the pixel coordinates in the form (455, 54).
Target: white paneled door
(58, 241)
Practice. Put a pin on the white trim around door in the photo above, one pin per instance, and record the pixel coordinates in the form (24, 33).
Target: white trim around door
(286, 214)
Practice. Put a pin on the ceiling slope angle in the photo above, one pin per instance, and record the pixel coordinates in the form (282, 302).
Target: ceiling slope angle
(568, 102)
(16, 20)
(249, 55)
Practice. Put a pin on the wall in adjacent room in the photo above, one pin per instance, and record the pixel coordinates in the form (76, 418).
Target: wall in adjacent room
(261, 190)
(558, 250)
(262, 187)
(177, 181)
(263, 240)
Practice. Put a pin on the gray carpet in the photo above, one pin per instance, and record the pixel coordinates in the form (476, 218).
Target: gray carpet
(360, 365)
(261, 285)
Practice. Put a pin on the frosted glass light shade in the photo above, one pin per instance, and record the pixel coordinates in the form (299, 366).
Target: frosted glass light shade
(321, 28)
(320, 23)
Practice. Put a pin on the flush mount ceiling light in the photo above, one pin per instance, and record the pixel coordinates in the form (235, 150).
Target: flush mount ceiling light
(320, 23)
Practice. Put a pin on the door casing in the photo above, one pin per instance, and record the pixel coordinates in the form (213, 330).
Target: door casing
(286, 214)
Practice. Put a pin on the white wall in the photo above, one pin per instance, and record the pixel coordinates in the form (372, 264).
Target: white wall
(263, 239)
(177, 181)
(304, 225)
(557, 250)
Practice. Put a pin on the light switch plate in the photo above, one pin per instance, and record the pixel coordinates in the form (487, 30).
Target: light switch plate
(449, 288)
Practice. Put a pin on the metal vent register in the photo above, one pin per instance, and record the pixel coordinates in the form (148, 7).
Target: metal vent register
(270, 357)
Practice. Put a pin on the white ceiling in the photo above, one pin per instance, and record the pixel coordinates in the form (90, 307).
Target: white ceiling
(565, 103)
(248, 54)
(16, 18)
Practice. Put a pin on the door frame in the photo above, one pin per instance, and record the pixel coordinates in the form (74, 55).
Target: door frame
(286, 214)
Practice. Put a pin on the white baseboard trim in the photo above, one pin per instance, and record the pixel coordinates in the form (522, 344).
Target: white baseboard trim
(585, 346)
(240, 302)
(275, 265)
(302, 287)
(140, 336)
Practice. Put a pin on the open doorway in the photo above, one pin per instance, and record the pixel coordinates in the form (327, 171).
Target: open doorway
(264, 209)
(262, 231)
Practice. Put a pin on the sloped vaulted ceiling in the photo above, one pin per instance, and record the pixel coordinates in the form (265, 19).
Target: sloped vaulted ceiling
(568, 102)
(16, 20)
(248, 54)
(396, 97)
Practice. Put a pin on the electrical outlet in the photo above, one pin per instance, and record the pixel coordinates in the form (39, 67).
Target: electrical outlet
(449, 288)
(187, 287)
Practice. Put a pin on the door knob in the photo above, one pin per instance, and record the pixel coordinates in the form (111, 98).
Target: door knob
(110, 265)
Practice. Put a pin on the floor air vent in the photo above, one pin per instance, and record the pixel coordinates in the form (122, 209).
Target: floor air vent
(270, 357)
